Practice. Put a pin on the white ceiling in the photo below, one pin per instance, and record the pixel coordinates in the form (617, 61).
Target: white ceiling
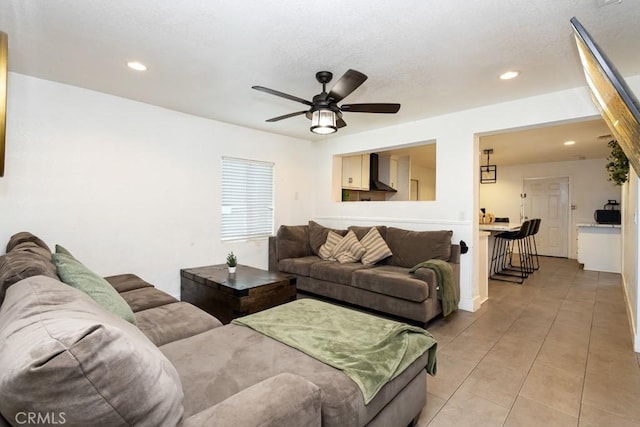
(546, 144)
(433, 57)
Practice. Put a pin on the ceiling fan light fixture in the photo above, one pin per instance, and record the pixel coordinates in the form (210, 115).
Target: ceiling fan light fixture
(323, 122)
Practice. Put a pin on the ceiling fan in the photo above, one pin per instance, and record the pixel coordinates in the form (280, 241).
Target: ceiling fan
(325, 114)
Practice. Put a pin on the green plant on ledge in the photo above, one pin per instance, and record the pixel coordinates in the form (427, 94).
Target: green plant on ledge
(232, 261)
(618, 166)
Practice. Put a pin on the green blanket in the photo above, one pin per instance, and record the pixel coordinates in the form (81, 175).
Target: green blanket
(444, 278)
(370, 350)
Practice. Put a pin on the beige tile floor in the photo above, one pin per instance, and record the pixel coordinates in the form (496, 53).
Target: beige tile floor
(556, 351)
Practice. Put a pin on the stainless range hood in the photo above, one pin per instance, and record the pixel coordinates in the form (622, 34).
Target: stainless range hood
(374, 183)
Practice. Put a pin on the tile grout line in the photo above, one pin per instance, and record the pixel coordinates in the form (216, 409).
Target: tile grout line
(560, 288)
(586, 361)
(449, 398)
(485, 355)
(533, 363)
(474, 368)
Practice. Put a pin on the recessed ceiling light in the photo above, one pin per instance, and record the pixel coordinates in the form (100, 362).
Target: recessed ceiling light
(509, 75)
(602, 3)
(135, 65)
(569, 142)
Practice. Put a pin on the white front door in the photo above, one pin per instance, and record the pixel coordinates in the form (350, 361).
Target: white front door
(548, 199)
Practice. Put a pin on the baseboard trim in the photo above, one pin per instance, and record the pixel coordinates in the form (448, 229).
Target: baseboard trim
(632, 323)
(470, 304)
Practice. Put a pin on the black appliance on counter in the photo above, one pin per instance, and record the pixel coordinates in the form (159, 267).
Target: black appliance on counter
(610, 214)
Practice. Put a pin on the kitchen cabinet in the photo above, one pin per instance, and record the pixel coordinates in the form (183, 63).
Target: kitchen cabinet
(393, 173)
(355, 172)
(600, 247)
(388, 171)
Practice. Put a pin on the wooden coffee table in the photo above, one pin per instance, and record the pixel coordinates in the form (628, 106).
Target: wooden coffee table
(227, 296)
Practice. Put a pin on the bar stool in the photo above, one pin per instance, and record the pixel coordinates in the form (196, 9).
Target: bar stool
(502, 253)
(533, 247)
(502, 267)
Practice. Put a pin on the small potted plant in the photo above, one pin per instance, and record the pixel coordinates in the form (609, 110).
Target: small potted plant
(232, 262)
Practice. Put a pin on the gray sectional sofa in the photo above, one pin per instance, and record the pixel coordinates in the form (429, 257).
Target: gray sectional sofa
(387, 287)
(64, 359)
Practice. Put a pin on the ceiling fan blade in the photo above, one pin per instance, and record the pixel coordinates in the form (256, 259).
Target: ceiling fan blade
(340, 123)
(349, 82)
(371, 108)
(282, 94)
(286, 116)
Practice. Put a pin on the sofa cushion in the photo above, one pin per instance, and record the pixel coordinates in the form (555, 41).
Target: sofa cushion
(293, 241)
(332, 241)
(391, 280)
(146, 298)
(231, 348)
(362, 231)
(20, 264)
(62, 352)
(127, 282)
(75, 274)
(412, 247)
(332, 271)
(298, 266)
(25, 236)
(318, 235)
(349, 249)
(376, 248)
(284, 400)
(172, 322)
(33, 248)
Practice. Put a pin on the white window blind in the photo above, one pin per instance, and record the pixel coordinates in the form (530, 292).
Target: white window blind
(247, 199)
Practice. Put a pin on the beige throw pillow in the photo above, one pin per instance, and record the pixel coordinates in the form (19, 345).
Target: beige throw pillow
(349, 249)
(325, 250)
(375, 246)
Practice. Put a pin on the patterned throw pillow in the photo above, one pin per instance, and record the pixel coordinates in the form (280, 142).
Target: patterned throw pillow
(325, 250)
(349, 249)
(376, 248)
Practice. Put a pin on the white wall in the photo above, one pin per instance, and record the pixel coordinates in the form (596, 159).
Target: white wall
(426, 178)
(630, 264)
(129, 187)
(588, 182)
(457, 156)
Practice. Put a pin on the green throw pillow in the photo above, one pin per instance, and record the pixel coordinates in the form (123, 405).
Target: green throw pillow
(75, 274)
(64, 251)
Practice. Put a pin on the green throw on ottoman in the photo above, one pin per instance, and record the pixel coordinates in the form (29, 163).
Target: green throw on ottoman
(370, 350)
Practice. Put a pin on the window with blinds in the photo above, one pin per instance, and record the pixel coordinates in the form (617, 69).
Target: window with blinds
(247, 199)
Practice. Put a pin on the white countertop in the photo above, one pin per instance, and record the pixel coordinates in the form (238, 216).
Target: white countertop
(500, 226)
(595, 224)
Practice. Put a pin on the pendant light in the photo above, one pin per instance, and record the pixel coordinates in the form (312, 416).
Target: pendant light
(488, 173)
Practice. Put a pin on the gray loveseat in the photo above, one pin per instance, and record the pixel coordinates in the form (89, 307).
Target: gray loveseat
(387, 286)
(64, 359)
